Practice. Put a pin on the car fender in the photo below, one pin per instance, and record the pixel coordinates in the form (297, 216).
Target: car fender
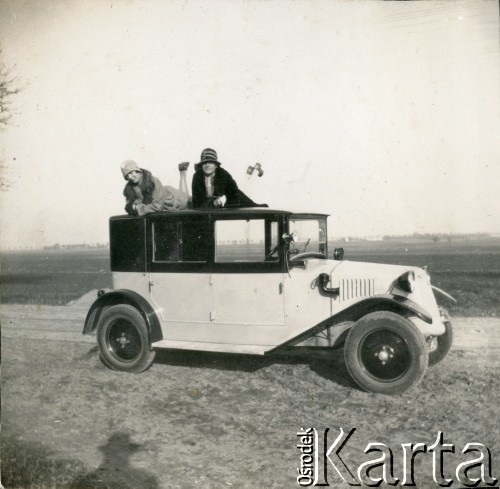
(124, 296)
(388, 302)
(382, 302)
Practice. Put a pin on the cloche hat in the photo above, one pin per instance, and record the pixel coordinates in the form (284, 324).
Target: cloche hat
(208, 155)
(128, 166)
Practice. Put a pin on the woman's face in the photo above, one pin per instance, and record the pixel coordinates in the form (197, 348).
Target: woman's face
(209, 168)
(134, 176)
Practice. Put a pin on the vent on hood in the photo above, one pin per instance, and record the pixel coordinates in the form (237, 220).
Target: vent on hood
(353, 288)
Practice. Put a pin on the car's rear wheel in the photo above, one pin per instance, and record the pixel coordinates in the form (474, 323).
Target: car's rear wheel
(444, 343)
(385, 353)
(123, 339)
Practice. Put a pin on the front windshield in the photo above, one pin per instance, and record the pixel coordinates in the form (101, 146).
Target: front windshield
(310, 235)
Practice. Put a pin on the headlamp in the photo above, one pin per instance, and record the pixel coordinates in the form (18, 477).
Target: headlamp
(407, 281)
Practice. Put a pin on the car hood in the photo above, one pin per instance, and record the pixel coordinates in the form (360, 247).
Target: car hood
(357, 267)
(378, 278)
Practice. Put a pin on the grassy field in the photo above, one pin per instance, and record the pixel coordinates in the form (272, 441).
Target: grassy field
(53, 277)
(470, 271)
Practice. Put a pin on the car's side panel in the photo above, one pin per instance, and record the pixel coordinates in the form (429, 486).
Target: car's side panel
(213, 347)
(138, 282)
(216, 315)
(305, 306)
(248, 299)
(217, 337)
(182, 297)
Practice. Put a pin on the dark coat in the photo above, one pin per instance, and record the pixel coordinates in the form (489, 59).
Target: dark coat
(224, 184)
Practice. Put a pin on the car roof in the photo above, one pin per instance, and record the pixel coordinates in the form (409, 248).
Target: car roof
(236, 212)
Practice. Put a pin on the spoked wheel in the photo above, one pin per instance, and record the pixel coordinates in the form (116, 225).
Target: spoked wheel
(123, 339)
(385, 353)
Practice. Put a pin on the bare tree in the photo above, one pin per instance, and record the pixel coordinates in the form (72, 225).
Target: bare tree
(7, 91)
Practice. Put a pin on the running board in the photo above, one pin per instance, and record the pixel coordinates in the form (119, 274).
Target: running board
(213, 347)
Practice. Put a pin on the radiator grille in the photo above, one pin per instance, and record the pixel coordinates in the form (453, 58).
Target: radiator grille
(352, 288)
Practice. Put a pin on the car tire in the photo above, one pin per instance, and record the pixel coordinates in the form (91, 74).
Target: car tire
(123, 339)
(444, 343)
(385, 353)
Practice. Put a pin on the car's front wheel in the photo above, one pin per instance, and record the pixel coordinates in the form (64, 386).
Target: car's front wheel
(385, 353)
(123, 339)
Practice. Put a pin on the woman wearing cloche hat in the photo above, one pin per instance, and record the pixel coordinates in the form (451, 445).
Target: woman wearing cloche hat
(213, 186)
(144, 193)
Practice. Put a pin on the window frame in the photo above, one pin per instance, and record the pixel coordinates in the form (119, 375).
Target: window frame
(251, 266)
(310, 217)
(133, 257)
(178, 266)
(210, 266)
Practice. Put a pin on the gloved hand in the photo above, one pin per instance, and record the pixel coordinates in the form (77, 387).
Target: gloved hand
(129, 209)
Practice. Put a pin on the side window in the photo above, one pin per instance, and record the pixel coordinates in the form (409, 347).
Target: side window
(181, 241)
(310, 235)
(165, 241)
(249, 240)
(195, 239)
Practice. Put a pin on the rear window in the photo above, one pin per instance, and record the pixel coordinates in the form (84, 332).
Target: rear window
(127, 245)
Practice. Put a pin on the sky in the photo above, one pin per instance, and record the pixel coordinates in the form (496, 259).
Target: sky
(385, 115)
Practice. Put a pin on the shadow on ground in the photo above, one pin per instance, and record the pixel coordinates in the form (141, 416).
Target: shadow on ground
(29, 464)
(326, 362)
(116, 471)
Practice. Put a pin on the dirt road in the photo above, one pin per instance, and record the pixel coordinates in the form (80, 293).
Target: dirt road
(212, 420)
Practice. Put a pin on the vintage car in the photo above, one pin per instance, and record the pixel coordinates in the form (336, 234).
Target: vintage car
(254, 280)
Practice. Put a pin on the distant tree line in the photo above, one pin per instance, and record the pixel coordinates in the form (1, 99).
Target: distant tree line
(428, 237)
(77, 246)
